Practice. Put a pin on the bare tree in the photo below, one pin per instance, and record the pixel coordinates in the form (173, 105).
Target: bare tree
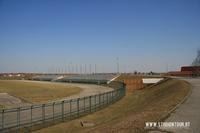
(196, 61)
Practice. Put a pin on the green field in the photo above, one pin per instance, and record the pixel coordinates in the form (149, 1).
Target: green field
(130, 113)
(34, 92)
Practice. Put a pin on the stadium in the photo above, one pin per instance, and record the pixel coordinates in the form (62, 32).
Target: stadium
(58, 98)
(99, 66)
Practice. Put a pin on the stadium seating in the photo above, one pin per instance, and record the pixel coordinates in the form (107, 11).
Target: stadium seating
(47, 77)
(89, 78)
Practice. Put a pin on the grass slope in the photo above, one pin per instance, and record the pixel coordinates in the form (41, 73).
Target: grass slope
(130, 113)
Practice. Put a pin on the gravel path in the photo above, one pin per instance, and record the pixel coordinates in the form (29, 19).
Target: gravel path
(189, 111)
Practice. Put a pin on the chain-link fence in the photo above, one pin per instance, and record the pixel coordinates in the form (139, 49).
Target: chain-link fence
(26, 117)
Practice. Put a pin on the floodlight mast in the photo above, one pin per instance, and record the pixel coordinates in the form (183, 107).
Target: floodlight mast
(118, 65)
(95, 68)
(90, 69)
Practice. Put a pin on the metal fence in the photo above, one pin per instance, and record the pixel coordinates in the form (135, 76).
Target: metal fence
(16, 119)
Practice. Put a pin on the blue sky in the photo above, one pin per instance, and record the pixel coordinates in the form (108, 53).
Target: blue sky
(146, 35)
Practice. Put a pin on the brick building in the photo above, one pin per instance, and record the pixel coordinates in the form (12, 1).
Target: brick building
(186, 71)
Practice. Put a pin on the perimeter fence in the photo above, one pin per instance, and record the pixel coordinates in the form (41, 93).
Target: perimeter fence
(25, 119)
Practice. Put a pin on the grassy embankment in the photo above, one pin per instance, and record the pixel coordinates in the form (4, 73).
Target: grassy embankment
(130, 113)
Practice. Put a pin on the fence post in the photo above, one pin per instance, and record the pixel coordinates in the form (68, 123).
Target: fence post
(99, 101)
(84, 104)
(63, 111)
(124, 88)
(18, 118)
(2, 119)
(90, 103)
(118, 94)
(43, 113)
(95, 102)
(112, 96)
(103, 98)
(31, 115)
(70, 108)
(53, 111)
(107, 98)
(78, 107)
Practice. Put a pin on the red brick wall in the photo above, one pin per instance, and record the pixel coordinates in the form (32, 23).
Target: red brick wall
(183, 73)
(190, 68)
(133, 84)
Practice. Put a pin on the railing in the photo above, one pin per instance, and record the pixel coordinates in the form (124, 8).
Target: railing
(28, 117)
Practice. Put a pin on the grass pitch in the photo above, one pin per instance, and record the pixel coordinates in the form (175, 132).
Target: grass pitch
(37, 92)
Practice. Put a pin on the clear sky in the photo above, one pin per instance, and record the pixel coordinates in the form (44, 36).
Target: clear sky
(146, 35)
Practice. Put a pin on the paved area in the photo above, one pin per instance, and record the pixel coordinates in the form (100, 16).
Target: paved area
(189, 111)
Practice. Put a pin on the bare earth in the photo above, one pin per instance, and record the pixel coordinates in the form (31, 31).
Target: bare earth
(6, 99)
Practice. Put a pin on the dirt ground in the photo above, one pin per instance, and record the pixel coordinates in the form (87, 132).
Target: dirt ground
(17, 92)
(8, 100)
(34, 92)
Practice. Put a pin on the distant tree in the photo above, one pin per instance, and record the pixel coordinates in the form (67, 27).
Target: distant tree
(196, 61)
(151, 73)
(135, 72)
